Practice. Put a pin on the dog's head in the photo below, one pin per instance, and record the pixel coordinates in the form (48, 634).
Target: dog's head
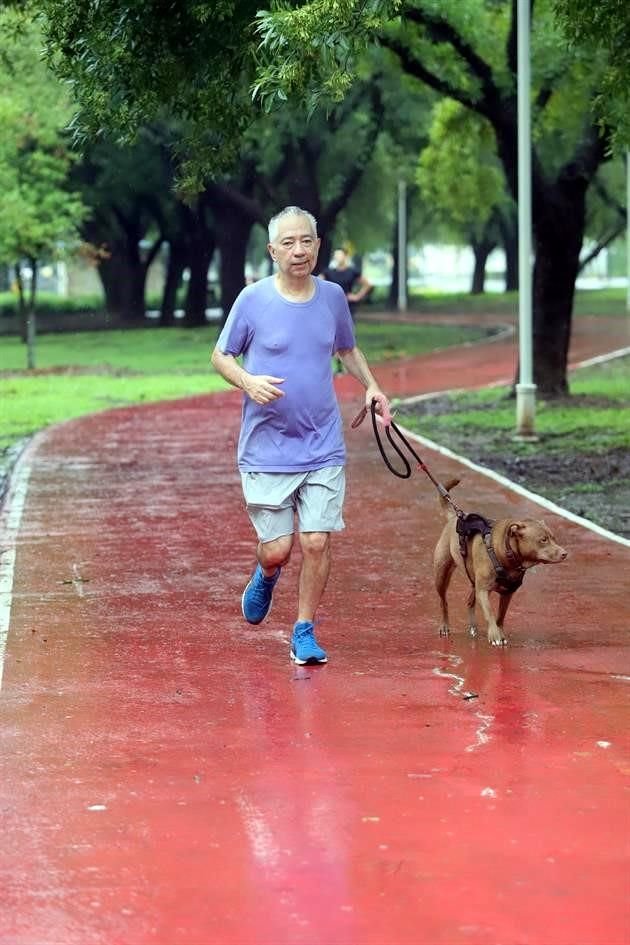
(535, 543)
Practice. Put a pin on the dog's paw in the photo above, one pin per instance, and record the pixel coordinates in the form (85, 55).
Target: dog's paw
(500, 642)
(445, 630)
(472, 629)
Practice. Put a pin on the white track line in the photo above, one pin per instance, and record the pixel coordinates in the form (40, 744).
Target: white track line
(10, 525)
(514, 487)
(603, 358)
(491, 474)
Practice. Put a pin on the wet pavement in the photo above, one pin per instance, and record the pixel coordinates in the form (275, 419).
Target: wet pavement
(169, 777)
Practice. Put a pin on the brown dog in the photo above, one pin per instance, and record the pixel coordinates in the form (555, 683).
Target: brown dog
(495, 561)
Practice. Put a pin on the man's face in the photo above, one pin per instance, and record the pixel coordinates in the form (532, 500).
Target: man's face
(295, 248)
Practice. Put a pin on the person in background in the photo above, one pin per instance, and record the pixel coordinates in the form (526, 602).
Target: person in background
(291, 452)
(354, 284)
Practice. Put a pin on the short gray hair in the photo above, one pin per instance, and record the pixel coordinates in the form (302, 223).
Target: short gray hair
(290, 212)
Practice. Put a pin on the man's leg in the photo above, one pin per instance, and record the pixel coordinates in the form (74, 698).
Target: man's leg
(274, 554)
(313, 578)
(314, 573)
(269, 499)
(319, 506)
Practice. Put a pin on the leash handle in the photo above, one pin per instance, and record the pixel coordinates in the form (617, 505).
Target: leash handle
(360, 417)
(392, 426)
(386, 416)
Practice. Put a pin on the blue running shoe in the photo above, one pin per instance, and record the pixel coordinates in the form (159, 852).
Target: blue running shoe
(257, 596)
(304, 647)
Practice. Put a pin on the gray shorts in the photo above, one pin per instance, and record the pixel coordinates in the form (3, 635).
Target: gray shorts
(273, 500)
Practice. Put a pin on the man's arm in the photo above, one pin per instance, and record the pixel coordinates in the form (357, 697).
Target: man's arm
(260, 387)
(356, 364)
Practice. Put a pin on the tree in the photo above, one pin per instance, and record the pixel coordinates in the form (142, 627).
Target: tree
(129, 62)
(606, 213)
(605, 24)
(467, 52)
(40, 214)
(127, 190)
(316, 165)
(459, 175)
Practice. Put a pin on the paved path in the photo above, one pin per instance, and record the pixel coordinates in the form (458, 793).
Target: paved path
(169, 777)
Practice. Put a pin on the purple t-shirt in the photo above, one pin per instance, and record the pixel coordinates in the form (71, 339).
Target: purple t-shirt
(294, 340)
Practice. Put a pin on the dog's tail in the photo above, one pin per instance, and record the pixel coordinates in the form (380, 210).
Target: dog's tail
(448, 485)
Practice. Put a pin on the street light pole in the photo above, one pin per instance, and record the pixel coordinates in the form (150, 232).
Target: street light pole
(628, 231)
(402, 246)
(525, 389)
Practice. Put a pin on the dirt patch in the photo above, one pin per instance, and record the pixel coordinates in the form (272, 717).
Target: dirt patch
(593, 485)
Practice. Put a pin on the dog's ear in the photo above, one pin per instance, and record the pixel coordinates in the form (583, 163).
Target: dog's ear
(516, 528)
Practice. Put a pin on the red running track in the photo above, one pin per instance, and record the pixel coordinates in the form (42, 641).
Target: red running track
(169, 777)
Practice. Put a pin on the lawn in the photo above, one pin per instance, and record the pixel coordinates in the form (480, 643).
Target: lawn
(79, 373)
(581, 459)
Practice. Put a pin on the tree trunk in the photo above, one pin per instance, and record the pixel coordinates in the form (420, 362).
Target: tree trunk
(392, 298)
(134, 305)
(481, 249)
(21, 302)
(177, 260)
(555, 272)
(558, 233)
(325, 253)
(31, 324)
(509, 236)
(232, 238)
(123, 276)
(200, 257)
(110, 271)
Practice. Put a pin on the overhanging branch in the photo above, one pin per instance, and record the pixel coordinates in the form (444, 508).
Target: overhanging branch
(418, 70)
(441, 31)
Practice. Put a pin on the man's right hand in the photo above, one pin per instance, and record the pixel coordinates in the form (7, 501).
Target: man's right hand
(262, 388)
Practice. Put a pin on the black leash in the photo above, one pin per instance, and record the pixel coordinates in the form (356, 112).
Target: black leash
(407, 466)
(468, 523)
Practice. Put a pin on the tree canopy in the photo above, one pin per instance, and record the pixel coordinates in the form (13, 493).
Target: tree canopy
(40, 213)
(130, 62)
(605, 24)
(39, 210)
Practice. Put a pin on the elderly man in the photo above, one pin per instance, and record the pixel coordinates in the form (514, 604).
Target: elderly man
(291, 451)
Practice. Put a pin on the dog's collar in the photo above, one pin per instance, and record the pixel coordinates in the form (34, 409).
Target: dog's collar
(508, 580)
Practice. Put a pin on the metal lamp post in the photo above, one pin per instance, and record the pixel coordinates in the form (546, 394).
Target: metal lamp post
(525, 389)
(628, 231)
(402, 246)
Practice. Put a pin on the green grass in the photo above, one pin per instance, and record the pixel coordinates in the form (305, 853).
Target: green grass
(594, 419)
(382, 341)
(147, 364)
(28, 404)
(51, 303)
(136, 350)
(587, 302)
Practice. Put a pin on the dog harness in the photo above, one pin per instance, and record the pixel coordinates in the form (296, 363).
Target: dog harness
(472, 524)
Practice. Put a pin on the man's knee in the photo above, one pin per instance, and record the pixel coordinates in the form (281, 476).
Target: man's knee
(276, 552)
(315, 543)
